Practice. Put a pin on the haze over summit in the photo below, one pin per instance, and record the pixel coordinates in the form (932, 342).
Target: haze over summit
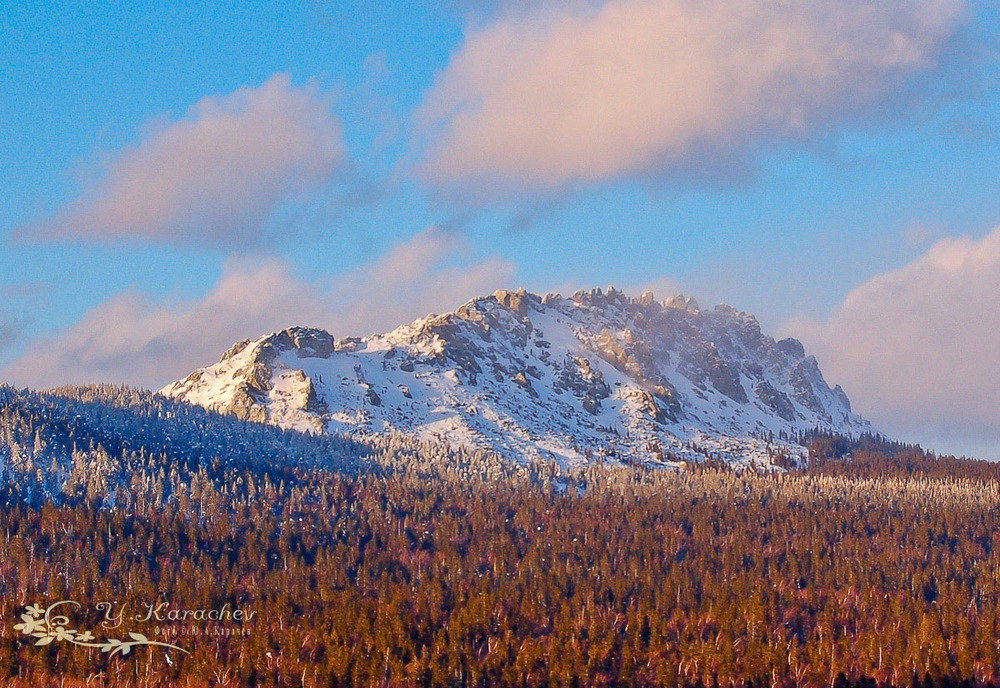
(830, 167)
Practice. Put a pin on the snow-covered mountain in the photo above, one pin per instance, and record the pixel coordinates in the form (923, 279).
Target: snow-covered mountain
(598, 374)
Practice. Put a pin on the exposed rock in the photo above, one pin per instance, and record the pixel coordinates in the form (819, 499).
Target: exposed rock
(792, 347)
(516, 301)
(585, 383)
(247, 404)
(775, 400)
(683, 303)
(235, 349)
(312, 403)
(842, 397)
(637, 362)
(647, 404)
(522, 381)
(802, 378)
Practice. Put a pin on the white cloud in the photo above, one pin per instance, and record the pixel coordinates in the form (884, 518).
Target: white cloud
(584, 91)
(433, 272)
(214, 177)
(136, 340)
(917, 349)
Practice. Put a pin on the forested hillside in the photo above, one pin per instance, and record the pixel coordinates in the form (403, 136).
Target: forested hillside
(427, 568)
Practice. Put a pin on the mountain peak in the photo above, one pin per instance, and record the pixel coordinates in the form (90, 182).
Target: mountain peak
(596, 374)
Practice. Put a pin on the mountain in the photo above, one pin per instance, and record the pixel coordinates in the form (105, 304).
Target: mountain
(598, 374)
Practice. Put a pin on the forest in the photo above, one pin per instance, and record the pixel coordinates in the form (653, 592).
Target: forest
(400, 563)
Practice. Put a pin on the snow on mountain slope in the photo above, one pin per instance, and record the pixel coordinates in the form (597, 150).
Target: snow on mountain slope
(598, 374)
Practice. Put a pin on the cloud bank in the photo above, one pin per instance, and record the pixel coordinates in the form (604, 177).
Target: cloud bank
(138, 340)
(917, 349)
(583, 92)
(214, 177)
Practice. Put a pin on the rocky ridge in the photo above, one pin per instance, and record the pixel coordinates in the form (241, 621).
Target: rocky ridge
(597, 375)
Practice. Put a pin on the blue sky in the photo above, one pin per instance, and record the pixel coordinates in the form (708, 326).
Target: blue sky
(811, 164)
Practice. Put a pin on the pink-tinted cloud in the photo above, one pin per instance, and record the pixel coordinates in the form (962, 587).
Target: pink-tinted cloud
(917, 349)
(565, 92)
(216, 176)
(138, 340)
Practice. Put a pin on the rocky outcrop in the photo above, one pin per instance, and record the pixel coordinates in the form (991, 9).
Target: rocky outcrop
(583, 382)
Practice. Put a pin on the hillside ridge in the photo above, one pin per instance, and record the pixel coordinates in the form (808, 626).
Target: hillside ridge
(597, 375)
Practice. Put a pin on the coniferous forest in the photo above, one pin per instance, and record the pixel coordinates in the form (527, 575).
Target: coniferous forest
(397, 563)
